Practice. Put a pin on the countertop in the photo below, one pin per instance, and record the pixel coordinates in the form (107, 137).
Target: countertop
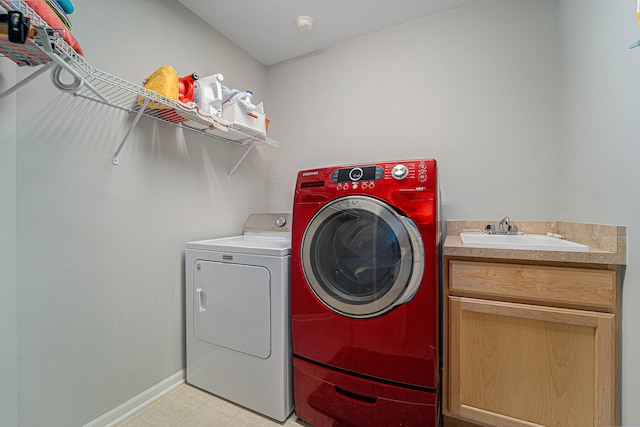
(607, 243)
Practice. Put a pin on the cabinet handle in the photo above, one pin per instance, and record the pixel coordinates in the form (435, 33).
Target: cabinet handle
(202, 300)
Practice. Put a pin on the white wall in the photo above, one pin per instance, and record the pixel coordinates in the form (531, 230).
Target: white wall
(477, 88)
(530, 107)
(8, 246)
(100, 314)
(601, 153)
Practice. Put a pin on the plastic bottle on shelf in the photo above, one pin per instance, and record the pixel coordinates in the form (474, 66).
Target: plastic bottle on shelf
(186, 88)
(245, 101)
(207, 93)
(230, 95)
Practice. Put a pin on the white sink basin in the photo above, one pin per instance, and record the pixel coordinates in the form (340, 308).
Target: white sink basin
(520, 241)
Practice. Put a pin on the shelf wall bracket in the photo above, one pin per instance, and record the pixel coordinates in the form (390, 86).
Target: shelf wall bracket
(115, 159)
(246, 151)
(26, 80)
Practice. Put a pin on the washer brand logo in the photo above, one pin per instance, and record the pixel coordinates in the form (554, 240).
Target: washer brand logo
(227, 257)
(312, 173)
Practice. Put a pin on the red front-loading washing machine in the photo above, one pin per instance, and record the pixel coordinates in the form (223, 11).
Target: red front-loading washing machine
(365, 295)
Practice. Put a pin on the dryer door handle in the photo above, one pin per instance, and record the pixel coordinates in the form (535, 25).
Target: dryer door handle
(202, 300)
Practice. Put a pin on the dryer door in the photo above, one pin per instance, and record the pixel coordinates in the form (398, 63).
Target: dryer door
(232, 306)
(361, 258)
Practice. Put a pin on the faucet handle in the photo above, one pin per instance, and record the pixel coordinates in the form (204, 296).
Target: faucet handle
(512, 229)
(490, 228)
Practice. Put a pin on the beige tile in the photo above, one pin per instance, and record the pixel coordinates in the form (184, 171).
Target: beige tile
(168, 410)
(206, 417)
(134, 421)
(251, 419)
(193, 393)
(223, 406)
(188, 406)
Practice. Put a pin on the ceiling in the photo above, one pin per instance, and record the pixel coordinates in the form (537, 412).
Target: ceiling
(266, 29)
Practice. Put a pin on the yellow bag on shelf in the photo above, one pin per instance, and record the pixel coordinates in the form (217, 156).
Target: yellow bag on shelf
(163, 81)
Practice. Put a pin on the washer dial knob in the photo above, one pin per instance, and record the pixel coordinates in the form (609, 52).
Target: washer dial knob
(399, 172)
(356, 174)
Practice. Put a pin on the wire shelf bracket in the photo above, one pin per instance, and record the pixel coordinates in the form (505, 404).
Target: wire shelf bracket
(246, 152)
(26, 80)
(115, 159)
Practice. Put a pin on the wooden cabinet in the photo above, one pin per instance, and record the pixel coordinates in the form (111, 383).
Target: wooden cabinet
(529, 344)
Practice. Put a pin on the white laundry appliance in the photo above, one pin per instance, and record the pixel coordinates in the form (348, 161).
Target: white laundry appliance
(237, 310)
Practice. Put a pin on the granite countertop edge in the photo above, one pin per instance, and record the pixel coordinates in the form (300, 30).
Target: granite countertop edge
(607, 243)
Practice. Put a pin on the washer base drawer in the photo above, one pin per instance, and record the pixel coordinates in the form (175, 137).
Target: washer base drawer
(326, 398)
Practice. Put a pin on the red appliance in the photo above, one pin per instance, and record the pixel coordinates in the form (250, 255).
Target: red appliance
(365, 295)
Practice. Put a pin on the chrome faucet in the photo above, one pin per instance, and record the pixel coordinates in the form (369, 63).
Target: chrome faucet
(504, 221)
(504, 227)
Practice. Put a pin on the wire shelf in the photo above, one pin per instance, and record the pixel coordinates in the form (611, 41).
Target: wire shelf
(46, 47)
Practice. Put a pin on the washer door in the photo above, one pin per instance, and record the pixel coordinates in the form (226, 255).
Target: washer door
(361, 258)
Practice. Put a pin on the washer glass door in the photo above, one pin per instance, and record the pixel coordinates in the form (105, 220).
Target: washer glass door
(361, 258)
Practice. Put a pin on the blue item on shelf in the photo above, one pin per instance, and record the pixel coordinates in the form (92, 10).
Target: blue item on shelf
(66, 6)
(59, 12)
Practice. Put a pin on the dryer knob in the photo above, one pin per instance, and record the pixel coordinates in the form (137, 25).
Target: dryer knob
(280, 222)
(400, 172)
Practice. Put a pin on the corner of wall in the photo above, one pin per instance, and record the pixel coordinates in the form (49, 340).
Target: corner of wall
(8, 245)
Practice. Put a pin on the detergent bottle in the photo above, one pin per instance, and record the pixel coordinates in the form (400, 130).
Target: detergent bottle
(230, 95)
(185, 88)
(207, 94)
(245, 101)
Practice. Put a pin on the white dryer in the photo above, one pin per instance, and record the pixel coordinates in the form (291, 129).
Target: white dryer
(237, 309)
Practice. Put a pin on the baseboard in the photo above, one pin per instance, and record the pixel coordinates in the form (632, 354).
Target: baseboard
(138, 402)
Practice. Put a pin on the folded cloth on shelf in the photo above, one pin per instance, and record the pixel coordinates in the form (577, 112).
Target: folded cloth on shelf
(59, 12)
(66, 6)
(42, 9)
(188, 111)
(163, 81)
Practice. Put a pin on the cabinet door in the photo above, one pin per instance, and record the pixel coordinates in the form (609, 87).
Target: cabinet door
(523, 365)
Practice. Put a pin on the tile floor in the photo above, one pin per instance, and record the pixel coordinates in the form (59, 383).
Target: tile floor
(187, 406)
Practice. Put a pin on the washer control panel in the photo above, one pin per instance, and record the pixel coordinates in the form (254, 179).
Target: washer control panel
(356, 174)
(397, 171)
(382, 178)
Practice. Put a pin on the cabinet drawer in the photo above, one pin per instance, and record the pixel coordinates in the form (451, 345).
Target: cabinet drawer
(587, 287)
